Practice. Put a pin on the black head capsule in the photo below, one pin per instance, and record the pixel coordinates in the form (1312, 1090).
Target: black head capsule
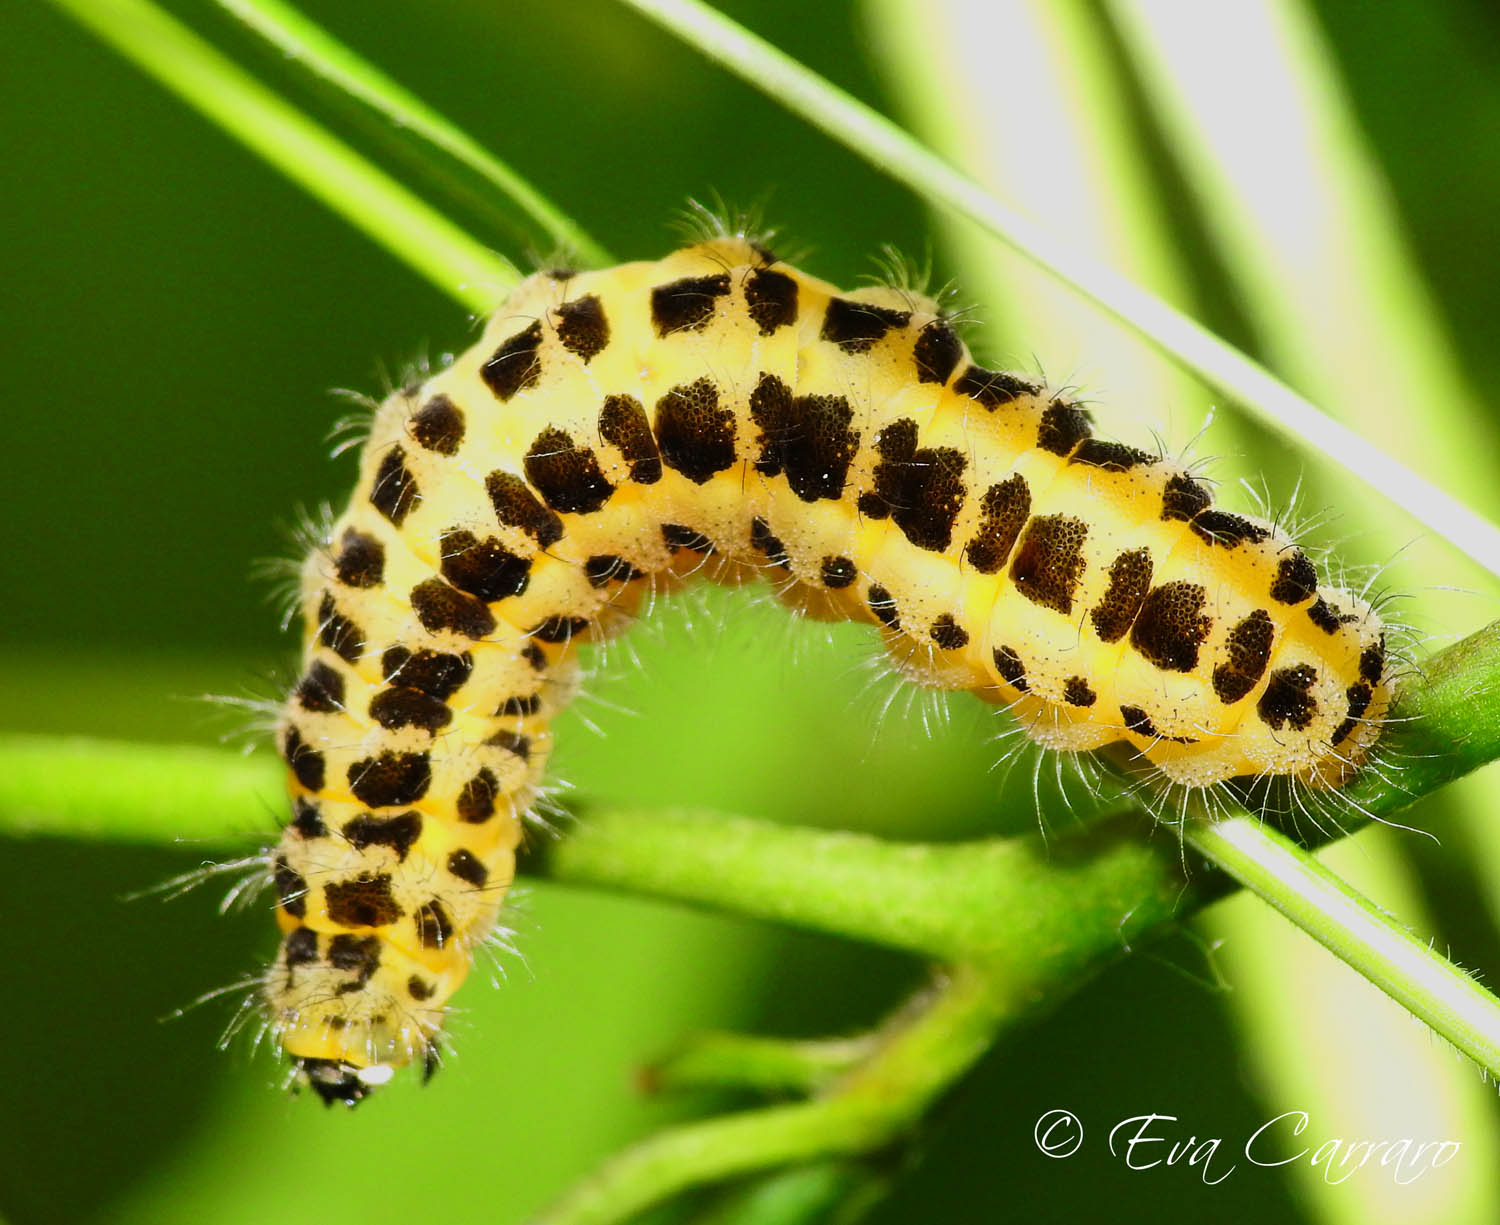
(336, 1081)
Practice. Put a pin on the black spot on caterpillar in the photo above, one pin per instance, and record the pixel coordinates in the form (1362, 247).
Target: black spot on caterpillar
(712, 413)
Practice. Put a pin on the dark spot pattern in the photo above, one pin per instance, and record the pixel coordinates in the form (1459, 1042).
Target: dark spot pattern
(1138, 721)
(566, 475)
(359, 955)
(678, 536)
(399, 833)
(438, 426)
(1323, 614)
(300, 947)
(485, 569)
(517, 506)
(307, 819)
(512, 742)
(818, 453)
(394, 493)
(1372, 662)
(1358, 696)
(338, 633)
(856, 326)
(465, 865)
(1049, 562)
(686, 305)
(948, 634)
(937, 352)
(514, 366)
(559, 629)
(883, 606)
(1110, 456)
(440, 607)
(1171, 626)
(838, 572)
(1063, 427)
(1077, 692)
(1129, 581)
(1219, 527)
(436, 673)
(921, 489)
(390, 780)
(291, 888)
(582, 327)
(523, 707)
(1003, 512)
(1287, 700)
(772, 300)
(535, 656)
(1296, 579)
(623, 424)
(695, 435)
(305, 762)
(605, 568)
(321, 690)
(992, 388)
(365, 901)
(434, 926)
(400, 707)
(763, 540)
(1247, 650)
(1010, 668)
(1182, 498)
(476, 802)
(360, 561)
(418, 989)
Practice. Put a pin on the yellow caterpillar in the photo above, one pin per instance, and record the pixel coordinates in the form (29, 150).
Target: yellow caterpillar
(720, 412)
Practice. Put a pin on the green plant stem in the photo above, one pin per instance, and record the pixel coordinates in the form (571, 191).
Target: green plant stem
(311, 46)
(893, 151)
(307, 154)
(1422, 981)
(744, 1061)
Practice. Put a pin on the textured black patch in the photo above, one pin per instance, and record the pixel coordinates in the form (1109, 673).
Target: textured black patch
(1182, 497)
(1139, 722)
(436, 673)
(306, 763)
(1296, 579)
(695, 435)
(992, 388)
(838, 572)
(582, 327)
(1358, 696)
(321, 690)
(948, 633)
(535, 656)
(395, 493)
(390, 780)
(307, 819)
(300, 947)
(438, 426)
(688, 304)
(677, 536)
(434, 927)
(483, 568)
(856, 326)
(937, 351)
(772, 299)
(360, 561)
(291, 888)
(1247, 651)
(560, 629)
(919, 488)
(1111, 456)
(360, 954)
(1063, 427)
(521, 706)
(605, 568)
(1222, 528)
(440, 607)
(1049, 561)
(1171, 626)
(566, 475)
(398, 833)
(476, 802)
(1008, 664)
(512, 742)
(1003, 513)
(1129, 581)
(466, 866)
(401, 707)
(365, 901)
(1077, 692)
(338, 633)
(623, 424)
(517, 506)
(883, 606)
(764, 541)
(1372, 662)
(514, 366)
(771, 410)
(1287, 700)
(807, 437)
(418, 989)
(1322, 614)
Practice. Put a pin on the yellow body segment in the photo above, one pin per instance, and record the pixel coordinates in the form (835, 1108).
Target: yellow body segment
(719, 412)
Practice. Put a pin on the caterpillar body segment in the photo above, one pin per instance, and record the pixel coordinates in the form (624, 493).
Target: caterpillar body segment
(720, 412)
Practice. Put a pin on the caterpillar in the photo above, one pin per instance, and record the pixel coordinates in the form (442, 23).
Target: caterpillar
(720, 413)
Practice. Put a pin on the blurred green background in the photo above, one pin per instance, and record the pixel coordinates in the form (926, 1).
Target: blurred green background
(176, 314)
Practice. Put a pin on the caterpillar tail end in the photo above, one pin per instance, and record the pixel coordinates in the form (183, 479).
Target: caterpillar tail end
(336, 1081)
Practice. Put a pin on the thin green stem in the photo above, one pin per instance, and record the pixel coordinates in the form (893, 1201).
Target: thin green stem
(306, 153)
(893, 151)
(1418, 978)
(745, 1061)
(314, 48)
